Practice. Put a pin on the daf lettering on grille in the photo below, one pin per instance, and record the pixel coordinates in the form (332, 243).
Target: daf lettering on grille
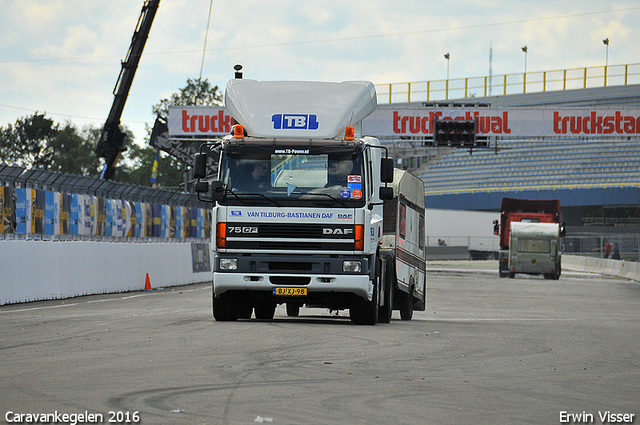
(337, 231)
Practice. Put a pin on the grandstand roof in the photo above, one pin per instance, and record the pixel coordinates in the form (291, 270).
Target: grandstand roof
(620, 96)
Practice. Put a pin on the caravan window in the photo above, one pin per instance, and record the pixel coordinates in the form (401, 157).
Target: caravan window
(402, 221)
(534, 245)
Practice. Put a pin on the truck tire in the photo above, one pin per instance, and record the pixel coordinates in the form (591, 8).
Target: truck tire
(363, 312)
(293, 310)
(224, 308)
(245, 309)
(388, 283)
(265, 310)
(405, 301)
(552, 276)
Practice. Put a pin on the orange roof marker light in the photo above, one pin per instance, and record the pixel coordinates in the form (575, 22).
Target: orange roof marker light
(238, 131)
(349, 133)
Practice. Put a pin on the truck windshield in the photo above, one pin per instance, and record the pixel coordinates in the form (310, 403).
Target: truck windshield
(294, 176)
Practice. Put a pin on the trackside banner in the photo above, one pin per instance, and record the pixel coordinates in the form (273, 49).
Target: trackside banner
(199, 121)
(384, 122)
(389, 122)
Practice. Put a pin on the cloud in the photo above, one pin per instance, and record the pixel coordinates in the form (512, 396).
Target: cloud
(64, 56)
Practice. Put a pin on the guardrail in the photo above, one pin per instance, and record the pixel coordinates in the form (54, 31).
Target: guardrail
(44, 205)
(585, 245)
(527, 82)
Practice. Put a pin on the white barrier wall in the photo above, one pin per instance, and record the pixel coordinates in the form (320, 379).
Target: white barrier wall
(620, 268)
(44, 270)
(462, 228)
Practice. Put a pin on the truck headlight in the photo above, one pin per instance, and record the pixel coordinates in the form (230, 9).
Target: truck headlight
(228, 264)
(351, 266)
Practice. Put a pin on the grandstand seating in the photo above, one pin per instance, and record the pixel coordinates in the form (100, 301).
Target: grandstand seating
(535, 163)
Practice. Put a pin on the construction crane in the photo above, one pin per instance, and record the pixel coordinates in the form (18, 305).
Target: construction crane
(111, 143)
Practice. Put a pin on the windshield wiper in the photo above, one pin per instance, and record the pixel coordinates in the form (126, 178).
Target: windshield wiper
(244, 201)
(333, 198)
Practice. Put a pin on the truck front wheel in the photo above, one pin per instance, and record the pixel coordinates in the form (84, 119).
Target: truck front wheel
(265, 310)
(293, 310)
(363, 312)
(225, 308)
(406, 305)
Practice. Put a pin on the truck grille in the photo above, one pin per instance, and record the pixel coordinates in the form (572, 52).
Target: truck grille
(288, 236)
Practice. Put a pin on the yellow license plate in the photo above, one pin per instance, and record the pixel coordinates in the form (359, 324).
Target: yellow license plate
(290, 292)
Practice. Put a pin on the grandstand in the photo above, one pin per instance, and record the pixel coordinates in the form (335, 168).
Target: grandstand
(596, 177)
(527, 164)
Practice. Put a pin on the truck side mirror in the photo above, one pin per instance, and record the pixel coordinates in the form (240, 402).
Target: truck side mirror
(563, 230)
(201, 187)
(386, 170)
(214, 189)
(217, 190)
(386, 193)
(200, 166)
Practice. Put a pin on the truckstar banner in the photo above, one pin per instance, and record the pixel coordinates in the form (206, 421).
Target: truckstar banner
(388, 121)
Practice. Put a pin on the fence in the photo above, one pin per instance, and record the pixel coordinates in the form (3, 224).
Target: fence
(566, 79)
(43, 205)
(582, 245)
(593, 245)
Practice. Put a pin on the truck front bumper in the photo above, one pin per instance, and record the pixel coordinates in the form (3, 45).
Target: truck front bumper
(357, 285)
(319, 274)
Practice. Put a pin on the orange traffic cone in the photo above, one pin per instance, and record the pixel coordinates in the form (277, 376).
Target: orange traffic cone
(147, 284)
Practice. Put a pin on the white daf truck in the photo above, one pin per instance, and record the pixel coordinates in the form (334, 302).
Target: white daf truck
(298, 207)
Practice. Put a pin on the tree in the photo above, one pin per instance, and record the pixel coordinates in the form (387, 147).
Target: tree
(28, 143)
(37, 142)
(73, 153)
(170, 170)
(138, 169)
(196, 92)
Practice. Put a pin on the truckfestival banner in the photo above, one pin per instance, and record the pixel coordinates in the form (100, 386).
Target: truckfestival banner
(387, 121)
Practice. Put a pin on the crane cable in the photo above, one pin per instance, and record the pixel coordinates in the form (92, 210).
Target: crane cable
(206, 34)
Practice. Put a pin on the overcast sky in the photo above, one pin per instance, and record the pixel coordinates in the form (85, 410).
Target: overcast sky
(62, 57)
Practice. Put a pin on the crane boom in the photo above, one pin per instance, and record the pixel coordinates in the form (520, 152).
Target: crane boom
(110, 145)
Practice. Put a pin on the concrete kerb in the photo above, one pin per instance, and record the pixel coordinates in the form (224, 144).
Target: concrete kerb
(630, 269)
(619, 268)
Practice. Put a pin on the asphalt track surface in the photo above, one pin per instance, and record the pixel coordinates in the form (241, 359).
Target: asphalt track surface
(486, 351)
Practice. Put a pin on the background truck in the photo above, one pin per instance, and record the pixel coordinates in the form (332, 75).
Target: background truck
(298, 207)
(533, 212)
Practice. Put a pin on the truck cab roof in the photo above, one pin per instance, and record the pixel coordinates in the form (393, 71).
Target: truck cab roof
(299, 109)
